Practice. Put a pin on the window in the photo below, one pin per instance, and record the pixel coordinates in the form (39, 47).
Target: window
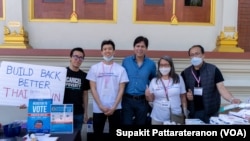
(154, 2)
(52, 9)
(147, 10)
(186, 11)
(64, 9)
(193, 2)
(95, 9)
(199, 11)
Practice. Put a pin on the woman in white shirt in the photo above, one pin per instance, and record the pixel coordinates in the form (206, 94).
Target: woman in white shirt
(167, 93)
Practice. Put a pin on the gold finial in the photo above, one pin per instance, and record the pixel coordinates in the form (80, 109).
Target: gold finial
(222, 35)
(6, 30)
(228, 43)
(73, 17)
(22, 32)
(14, 33)
(235, 36)
(174, 20)
(15, 39)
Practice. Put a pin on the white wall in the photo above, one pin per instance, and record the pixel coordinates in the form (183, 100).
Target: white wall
(64, 35)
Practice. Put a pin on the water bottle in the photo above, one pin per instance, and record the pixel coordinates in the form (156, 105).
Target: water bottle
(90, 125)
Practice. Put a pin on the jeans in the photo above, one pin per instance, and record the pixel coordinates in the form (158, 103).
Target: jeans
(134, 111)
(78, 121)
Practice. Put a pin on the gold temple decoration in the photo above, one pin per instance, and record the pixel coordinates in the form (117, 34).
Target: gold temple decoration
(73, 16)
(227, 42)
(174, 18)
(15, 39)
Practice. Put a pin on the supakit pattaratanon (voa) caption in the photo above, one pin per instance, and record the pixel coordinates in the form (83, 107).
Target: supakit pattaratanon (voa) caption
(180, 133)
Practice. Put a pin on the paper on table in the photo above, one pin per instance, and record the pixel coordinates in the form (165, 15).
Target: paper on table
(45, 137)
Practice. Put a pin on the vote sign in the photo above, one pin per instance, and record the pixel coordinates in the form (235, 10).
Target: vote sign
(38, 119)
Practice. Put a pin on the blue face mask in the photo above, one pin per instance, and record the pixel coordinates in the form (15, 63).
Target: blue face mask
(196, 61)
(108, 59)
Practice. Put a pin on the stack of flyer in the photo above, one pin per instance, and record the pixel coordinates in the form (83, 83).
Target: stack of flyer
(243, 113)
(216, 121)
(194, 121)
(231, 119)
(45, 137)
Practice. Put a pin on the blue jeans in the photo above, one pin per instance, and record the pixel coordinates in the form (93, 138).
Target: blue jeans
(134, 111)
(78, 121)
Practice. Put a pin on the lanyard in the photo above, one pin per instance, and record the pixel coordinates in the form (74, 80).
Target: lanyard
(166, 88)
(197, 80)
(166, 91)
(106, 74)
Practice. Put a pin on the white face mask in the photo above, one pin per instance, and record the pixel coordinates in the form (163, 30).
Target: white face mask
(196, 61)
(108, 59)
(164, 70)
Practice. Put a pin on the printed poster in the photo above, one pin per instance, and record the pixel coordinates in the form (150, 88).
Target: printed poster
(38, 120)
(61, 118)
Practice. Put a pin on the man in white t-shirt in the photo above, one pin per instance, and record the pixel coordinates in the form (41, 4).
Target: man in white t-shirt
(107, 83)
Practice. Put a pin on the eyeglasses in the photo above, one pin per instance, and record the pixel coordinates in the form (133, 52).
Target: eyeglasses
(164, 65)
(76, 57)
(195, 54)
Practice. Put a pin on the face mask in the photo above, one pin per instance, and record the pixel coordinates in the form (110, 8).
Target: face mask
(196, 61)
(108, 59)
(165, 70)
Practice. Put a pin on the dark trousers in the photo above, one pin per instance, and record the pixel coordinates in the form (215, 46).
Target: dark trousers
(99, 120)
(134, 111)
(203, 116)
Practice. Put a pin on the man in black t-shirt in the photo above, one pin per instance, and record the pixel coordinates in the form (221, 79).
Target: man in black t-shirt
(76, 88)
(205, 87)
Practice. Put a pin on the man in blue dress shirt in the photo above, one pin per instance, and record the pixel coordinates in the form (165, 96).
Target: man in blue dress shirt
(140, 70)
